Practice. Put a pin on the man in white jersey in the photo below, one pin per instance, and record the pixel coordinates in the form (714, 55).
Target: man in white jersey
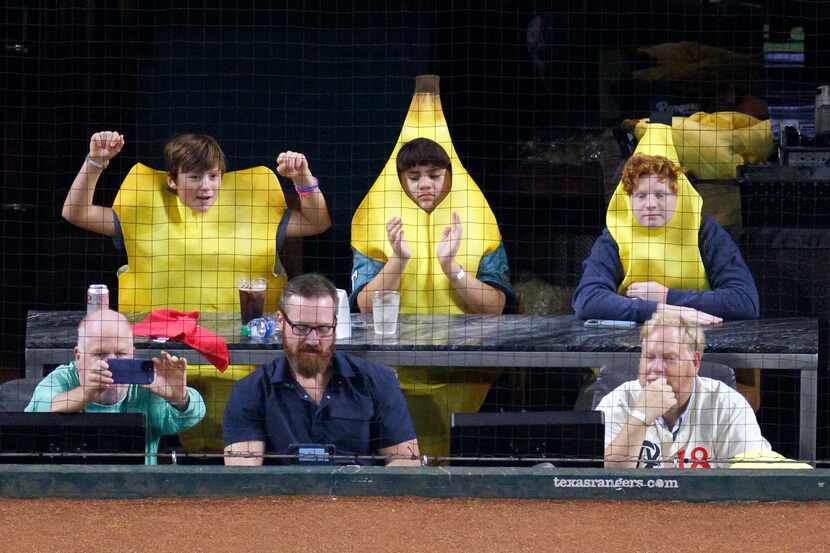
(670, 416)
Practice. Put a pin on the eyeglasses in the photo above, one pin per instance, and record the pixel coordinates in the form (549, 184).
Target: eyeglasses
(323, 331)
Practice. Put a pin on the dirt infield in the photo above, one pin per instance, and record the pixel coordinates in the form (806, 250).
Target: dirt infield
(336, 524)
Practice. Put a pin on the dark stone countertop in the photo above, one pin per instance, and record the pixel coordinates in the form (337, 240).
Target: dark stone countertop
(506, 333)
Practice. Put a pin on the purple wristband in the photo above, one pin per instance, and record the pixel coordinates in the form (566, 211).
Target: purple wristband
(304, 191)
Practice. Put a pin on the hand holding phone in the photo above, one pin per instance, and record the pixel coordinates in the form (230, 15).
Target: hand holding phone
(131, 371)
(170, 380)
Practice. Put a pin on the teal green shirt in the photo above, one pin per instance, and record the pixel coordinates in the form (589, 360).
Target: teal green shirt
(161, 418)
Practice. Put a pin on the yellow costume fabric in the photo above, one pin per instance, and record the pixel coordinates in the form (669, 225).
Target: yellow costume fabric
(425, 289)
(762, 459)
(712, 145)
(670, 254)
(191, 261)
(433, 394)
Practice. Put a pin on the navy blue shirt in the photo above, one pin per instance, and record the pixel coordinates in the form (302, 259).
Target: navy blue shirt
(362, 409)
(733, 295)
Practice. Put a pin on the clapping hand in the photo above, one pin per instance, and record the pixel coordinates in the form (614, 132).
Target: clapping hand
(394, 233)
(170, 382)
(450, 241)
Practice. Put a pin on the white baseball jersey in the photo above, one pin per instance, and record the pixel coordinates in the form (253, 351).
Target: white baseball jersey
(717, 425)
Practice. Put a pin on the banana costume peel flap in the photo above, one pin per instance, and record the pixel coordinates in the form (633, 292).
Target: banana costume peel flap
(424, 287)
(670, 254)
(190, 261)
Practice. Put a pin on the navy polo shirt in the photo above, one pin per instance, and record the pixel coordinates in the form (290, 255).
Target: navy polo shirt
(362, 409)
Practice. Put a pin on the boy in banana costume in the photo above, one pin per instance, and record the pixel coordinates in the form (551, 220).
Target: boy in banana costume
(423, 249)
(427, 231)
(191, 232)
(658, 248)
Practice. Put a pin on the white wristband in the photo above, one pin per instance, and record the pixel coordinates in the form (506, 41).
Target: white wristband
(460, 274)
(97, 164)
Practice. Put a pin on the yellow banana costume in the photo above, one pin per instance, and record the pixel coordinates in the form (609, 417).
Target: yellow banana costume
(425, 290)
(670, 254)
(764, 459)
(711, 145)
(189, 261)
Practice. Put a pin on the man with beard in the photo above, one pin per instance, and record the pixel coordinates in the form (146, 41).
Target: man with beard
(313, 395)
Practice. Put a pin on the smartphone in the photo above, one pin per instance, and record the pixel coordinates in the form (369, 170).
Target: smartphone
(605, 323)
(132, 371)
(313, 454)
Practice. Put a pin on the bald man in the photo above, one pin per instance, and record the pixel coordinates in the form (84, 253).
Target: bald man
(86, 384)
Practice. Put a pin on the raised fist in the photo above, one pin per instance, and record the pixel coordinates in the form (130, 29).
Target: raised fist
(292, 165)
(105, 145)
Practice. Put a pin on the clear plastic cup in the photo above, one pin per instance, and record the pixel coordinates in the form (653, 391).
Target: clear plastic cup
(385, 307)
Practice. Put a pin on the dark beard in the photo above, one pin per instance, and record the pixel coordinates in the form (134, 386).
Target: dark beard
(309, 366)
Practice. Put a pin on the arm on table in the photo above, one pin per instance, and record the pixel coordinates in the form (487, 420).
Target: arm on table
(243, 425)
(245, 454)
(404, 454)
(476, 296)
(734, 295)
(596, 295)
(389, 278)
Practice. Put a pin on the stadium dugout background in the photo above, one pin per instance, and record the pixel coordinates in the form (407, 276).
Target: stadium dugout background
(535, 94)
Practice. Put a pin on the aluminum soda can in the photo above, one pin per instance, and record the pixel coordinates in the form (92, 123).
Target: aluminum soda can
(97, 298)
